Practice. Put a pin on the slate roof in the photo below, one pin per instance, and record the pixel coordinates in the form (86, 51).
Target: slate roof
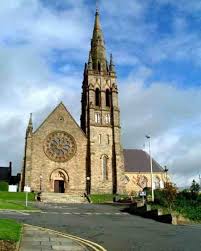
(139, 161)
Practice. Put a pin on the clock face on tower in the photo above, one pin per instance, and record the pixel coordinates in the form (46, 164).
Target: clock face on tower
(59, 146)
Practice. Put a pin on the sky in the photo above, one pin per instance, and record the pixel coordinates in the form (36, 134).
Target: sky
(156, 46)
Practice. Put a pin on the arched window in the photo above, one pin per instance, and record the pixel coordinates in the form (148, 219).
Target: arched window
(107, 98)
(97, 97)
(105, 167)
(156, 183)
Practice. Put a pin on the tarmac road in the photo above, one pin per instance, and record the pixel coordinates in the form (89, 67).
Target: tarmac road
(114, 230)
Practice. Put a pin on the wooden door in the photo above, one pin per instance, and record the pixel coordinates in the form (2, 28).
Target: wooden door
(56, 186)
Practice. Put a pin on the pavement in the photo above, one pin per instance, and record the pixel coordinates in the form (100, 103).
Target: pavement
(40, 239)
(108, 226)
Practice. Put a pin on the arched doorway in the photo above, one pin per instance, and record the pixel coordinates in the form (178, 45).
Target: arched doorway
(59, 181)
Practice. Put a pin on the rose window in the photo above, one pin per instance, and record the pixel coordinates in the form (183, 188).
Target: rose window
(59, 146)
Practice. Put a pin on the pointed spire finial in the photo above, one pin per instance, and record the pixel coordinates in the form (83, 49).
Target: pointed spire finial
(90, 66)
(30, 126)
(30, 120)
(112, 67)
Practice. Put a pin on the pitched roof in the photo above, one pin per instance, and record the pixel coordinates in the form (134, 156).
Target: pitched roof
(139, 161)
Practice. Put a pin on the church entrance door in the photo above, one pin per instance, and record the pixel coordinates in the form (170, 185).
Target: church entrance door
(59, 186)
(59, 181)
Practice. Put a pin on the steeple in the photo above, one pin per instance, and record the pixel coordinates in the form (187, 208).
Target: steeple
(30, 126)
(98, 53)
(100, 118)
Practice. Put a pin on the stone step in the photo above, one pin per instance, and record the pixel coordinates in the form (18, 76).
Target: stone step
(63, 198)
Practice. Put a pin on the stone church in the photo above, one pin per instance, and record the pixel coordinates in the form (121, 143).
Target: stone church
(63, 157)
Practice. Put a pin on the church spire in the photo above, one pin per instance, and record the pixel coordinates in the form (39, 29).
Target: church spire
(98, 53)
(30, 126)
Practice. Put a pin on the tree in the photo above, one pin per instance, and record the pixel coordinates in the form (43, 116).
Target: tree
(194, 188)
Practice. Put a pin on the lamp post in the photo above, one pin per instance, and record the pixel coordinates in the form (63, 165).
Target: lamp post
(152, 189)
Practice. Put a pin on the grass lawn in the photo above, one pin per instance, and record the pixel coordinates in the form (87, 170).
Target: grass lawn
(101, 198)
(19, 196)
(15, 201)
(10, 230)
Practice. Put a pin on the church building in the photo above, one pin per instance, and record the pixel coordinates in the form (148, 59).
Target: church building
(62, 157)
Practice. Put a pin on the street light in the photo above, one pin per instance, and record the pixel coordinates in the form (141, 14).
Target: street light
(152, 189)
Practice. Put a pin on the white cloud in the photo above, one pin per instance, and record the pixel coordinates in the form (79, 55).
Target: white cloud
(42, 50)
(171, 116)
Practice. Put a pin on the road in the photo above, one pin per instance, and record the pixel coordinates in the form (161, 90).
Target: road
(114, 230)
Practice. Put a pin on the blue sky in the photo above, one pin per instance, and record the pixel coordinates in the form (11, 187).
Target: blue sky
(157, 51)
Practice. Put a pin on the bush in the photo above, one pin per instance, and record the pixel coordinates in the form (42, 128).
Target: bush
(159, 197)
(189, 205)
(4, 186)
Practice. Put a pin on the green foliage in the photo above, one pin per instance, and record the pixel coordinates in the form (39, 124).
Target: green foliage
(159, 197)
(10, 230)
(187, 203)
(165, 197)
(189, 208)
(3, 186)
(195, 188)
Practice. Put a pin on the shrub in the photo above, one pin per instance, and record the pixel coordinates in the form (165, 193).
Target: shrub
(3, 186)
(159, 197)
(170, 194)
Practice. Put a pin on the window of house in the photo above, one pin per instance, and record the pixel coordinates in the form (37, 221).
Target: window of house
(97, 97)
(105, 167)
